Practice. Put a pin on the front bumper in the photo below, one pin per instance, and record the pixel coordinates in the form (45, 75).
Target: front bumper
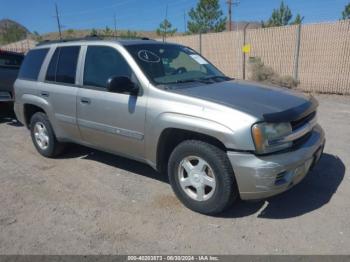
(264, 176)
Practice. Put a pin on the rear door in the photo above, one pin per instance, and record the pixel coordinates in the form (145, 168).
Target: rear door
(110, 121)
(60, 89)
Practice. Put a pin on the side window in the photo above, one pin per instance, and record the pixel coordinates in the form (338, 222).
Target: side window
(103, 62)
(32, 63)
(63, 65)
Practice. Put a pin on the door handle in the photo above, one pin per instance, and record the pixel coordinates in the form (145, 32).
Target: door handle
(85, 100)
(45, 94)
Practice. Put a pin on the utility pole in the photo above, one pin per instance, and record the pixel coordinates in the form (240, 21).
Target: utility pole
(244, 43)
(185, 22)
(230, 4)
(115, 26)
(58, 21)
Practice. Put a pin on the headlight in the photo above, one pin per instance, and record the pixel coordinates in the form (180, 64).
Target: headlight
(264, 133)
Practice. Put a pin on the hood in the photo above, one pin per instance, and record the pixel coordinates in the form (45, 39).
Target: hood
(272, 104)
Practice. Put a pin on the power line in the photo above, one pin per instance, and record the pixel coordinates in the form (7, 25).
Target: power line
(127, 16)
(86, 11)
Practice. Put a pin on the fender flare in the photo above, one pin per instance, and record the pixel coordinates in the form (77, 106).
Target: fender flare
(187, 123)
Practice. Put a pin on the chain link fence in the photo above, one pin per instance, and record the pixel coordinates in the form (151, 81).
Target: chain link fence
(317, 55)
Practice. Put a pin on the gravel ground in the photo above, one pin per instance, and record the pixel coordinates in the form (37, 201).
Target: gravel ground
(89, 202)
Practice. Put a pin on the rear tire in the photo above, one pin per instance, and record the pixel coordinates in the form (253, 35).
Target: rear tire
(43, 136)
(202, 177)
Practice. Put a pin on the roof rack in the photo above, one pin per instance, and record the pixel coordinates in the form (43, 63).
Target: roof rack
(90, 38)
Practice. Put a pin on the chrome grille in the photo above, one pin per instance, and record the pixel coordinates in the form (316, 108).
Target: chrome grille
(302, 128)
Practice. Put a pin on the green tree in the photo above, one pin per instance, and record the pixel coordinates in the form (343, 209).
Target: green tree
(128, 34)
(166, 29)
(107, 31)
(346, 12)
(93, 32)
(37, 36)
(206, 17)
(70, 32)
(298, 20)
(281, 17)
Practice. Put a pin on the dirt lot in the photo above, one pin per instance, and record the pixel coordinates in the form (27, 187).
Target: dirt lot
(89, 202)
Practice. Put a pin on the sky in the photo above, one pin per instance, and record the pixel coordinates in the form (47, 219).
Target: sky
(145, 15)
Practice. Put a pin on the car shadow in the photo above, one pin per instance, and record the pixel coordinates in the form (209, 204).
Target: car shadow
(75, 151)
(312, 193)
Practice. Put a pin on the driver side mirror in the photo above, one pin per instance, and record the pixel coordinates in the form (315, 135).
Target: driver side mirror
(122, 84)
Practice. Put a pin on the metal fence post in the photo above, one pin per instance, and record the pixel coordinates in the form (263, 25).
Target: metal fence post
(297, 53)
(244, 54)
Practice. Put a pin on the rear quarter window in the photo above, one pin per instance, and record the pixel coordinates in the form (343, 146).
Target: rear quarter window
(63, 65)
(67, 64)
(32, 64)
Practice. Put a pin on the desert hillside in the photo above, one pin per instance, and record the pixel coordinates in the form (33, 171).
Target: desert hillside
(11, 31)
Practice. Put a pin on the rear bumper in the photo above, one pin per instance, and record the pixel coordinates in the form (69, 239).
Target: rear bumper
(5, 96)
(264, 176)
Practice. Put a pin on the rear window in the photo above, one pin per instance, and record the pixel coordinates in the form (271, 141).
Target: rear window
(32, 63)
(10, 60)
(63, 65)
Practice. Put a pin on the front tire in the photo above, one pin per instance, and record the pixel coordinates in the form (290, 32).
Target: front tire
(202, 177)
(43, 136)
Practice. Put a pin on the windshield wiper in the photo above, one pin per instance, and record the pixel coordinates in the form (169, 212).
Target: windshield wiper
(189, 81)
(206, 80)
(224, 78)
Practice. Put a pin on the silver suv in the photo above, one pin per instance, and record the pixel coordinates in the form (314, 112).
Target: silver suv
(165, 105)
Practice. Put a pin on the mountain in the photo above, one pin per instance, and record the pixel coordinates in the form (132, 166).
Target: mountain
(11, 31)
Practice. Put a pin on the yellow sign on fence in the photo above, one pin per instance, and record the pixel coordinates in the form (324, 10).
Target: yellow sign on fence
(246, 48)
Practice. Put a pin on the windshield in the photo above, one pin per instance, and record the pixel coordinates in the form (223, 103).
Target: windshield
(172, 64)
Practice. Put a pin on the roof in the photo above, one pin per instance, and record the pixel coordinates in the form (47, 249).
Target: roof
(94, 40)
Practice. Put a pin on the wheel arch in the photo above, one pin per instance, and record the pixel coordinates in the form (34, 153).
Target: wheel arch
(171, 137)
(33, 104)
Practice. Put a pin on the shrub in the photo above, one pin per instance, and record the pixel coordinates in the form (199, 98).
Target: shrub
(261, 73)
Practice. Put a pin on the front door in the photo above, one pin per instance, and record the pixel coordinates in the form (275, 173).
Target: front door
(110, 121)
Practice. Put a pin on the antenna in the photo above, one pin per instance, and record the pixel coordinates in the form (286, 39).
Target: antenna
(58, 21)
(165, 22)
